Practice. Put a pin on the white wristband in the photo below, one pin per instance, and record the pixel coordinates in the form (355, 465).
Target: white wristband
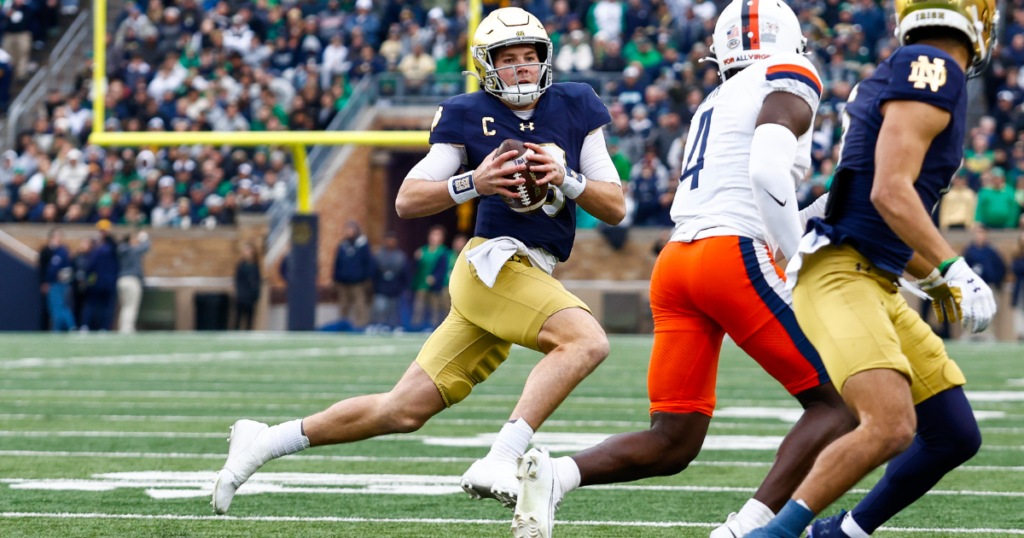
(573, 184)
(462, 187)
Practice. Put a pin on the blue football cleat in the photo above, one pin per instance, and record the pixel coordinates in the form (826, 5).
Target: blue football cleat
(829, 527)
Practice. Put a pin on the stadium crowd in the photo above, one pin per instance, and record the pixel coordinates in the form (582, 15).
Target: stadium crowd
(185, 65)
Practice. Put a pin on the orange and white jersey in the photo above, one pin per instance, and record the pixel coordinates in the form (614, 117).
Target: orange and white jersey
(715, 197)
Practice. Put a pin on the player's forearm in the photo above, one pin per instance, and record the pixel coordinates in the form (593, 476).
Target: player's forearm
(919, 267)
(604, 201)
(900, 206)
(421, 198)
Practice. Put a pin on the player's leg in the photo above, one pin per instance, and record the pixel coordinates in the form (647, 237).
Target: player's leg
(947, 435)
(574, 345)
(754, 310)
(436, 380)
(528, 307)
(847, 308)
(681, 385)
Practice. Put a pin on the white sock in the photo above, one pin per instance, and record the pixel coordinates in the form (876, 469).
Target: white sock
(286, 438)
(755, 514)
(568, 473)
(851, 528)
(512, 440)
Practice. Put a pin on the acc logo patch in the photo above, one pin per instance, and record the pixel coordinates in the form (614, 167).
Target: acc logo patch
(928, 74)
(437, 118)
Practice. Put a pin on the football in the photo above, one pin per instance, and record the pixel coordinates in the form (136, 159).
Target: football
(531, 195)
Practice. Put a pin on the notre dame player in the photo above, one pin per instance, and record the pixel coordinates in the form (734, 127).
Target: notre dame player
(903, 141)
(501, 286)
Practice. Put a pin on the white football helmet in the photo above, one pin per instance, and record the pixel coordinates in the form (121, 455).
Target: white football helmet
(752, 30)
(506, 27)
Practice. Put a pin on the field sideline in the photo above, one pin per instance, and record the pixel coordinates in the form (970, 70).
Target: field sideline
(102, 435)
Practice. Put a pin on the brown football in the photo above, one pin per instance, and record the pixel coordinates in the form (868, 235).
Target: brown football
(531, 195)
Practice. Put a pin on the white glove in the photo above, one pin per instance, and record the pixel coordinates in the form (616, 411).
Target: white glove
(961, 294)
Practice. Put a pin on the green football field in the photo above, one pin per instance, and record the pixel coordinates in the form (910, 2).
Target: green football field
(102, 435)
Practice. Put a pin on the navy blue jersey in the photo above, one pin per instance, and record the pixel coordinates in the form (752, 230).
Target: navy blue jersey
(913, 73)
(565, 115)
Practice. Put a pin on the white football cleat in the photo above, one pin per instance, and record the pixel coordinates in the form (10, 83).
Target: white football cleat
(492, 478)
(539, 496)
(244, 458)
(732, 528)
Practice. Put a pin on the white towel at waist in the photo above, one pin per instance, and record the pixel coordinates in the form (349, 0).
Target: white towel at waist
(488, 257)
(810, 243)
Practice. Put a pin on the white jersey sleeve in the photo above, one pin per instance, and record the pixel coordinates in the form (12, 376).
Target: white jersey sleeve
(793, 74)
(715, 197)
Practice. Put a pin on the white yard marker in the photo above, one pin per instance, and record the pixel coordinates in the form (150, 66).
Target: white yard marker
(179, 484)
(216, 356)
(439, 521)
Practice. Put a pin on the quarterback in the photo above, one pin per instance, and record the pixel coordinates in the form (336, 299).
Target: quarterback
(748, 147)
(902, 143)
(501, 287)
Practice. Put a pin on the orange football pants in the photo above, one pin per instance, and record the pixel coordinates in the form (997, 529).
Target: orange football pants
(705, 289)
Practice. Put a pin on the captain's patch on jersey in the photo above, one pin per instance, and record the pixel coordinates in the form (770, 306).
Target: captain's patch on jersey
(925, 73)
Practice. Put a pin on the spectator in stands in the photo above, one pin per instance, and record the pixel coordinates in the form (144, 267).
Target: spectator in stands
(59, 274)
(425, 285)
(611, 61)
(17, 35)
(6, 77)
(984, 259)
(353, 271)
(630, 89)
(53, 242)
(247, 287)
(417, 67)
(958, 206)
(606, 19)
(390, 280)
(130, 279)
(1018, 287)
(997, 207)
(575, 55)
(101, 281)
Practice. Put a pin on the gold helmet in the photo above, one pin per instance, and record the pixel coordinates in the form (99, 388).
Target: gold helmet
(977, 19)
(512, 26)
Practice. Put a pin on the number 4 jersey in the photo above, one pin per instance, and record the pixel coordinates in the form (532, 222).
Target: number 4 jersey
(714, 196)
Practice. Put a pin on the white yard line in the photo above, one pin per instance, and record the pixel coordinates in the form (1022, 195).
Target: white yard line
(216, 356)
(441, 521)
(423, 459)
(201, 456)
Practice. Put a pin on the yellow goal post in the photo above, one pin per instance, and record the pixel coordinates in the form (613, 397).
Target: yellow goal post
(297, 140)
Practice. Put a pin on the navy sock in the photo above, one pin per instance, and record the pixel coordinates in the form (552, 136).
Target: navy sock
(947, 436)
(791, 521)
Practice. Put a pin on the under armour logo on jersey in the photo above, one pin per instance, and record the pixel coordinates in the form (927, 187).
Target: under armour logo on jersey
(525, 126)
(924, 73)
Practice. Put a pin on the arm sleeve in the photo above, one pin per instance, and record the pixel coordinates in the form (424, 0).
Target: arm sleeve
(772, 154)
(927, 75)
(441, 163)
(815, 210)
(595, 162)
